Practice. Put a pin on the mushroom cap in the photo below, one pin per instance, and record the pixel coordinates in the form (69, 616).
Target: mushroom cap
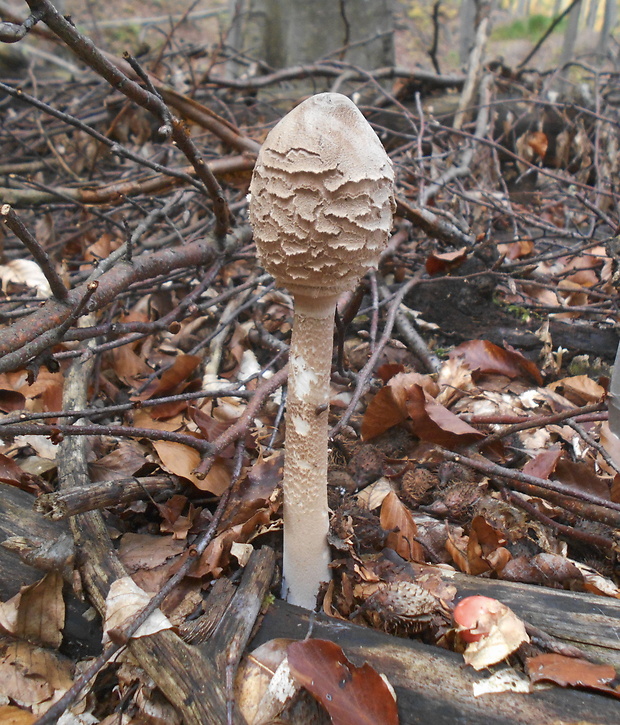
(322, 197)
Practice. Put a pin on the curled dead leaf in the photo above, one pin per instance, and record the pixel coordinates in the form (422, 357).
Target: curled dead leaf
(396, 518)
(351, 695)
(125, 599)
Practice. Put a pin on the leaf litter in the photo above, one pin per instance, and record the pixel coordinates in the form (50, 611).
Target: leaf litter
(395, 497)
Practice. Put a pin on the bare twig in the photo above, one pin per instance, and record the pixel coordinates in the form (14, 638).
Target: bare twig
(366, 372)
(149, 100)
(15, 224)
(492, 469)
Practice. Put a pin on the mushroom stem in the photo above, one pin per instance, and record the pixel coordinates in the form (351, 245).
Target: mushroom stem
(321, 210)
(306, 521)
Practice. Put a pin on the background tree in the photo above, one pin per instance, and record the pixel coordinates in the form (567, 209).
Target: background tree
(284, 33)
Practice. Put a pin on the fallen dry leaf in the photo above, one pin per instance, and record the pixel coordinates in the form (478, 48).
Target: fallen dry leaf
(10, 715)
(25, 271)
(396, 518)
(580, 477)
(547, 569)
(543, 464)
(123, 462)
(382, 413)
(182, 368)
(571, 672)
(11, 400)
(516, 250)
(431, 422)
(485, 357)
(436, 263)
(145, 551)
(596, 583)
(579, 389)
(14, 475)
(41, 612)
(264, 685)
(31, 675)
(389, 406)
(351, 695)
(485, 550)
(124, 600)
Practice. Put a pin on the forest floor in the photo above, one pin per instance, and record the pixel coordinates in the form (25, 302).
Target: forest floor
(143, 361)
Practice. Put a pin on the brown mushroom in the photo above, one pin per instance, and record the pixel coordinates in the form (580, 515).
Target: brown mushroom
(322, 199)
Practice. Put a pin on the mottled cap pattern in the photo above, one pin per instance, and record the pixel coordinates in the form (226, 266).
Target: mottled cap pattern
(322, 197)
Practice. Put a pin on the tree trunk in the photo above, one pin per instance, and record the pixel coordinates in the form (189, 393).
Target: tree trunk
(570, 37)
(523, 8)
(285, 33)
(592, 13)
(609, 20)
(467, 21)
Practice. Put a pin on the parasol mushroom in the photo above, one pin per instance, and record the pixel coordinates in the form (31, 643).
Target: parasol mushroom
(322, 199)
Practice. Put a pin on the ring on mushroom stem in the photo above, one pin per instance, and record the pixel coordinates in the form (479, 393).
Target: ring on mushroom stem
(321, 206)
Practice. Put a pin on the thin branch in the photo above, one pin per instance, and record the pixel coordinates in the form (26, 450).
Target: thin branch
(13, 32)
(492, 469)
(15, 224)
(84, 48)
(368, 369)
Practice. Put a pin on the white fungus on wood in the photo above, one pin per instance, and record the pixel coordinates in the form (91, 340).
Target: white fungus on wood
(322, 199)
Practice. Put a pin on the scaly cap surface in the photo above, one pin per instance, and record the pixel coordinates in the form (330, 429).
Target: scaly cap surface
(322, 197)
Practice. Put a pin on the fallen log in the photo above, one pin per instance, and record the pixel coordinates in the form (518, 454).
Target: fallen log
(432, 684)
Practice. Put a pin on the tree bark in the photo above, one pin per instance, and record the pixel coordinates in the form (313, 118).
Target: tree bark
(284, 33)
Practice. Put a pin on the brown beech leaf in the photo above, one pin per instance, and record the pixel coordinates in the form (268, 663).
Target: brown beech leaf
(145, 551)
(351, 695)
(579, 389)
(217, 555)
(129, 366)
(123, 462)
(515, 250)
(210, 428)
(396, 518)
(389, 406)
(32, 675)
(172, 520)
(10, 715)
(11, 400)
(41, 613)
(485, 550)
(538, 142)
(389, 370)
(13, 474)
(182, 368)
(255, 491)
(580, 477)
(543, 465)
(403, 382)
(436, 424)
(382, 413)
(436, 263)
(485, 357)
(165, 411)
(571, 672)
